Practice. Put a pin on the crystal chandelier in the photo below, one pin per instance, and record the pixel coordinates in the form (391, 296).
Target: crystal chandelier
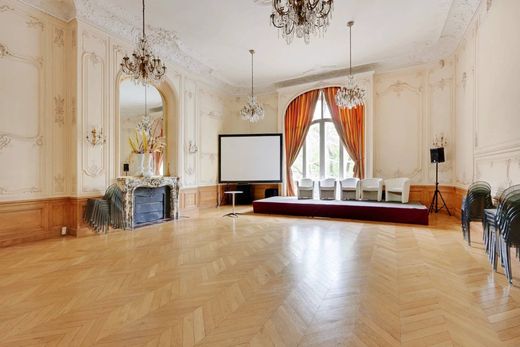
(352, 95)
(144, 67)
(145, 124)
(252, 111)
(301, 18)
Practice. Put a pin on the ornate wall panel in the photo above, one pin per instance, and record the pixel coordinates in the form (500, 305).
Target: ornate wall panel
(211, 117)
(465, 110)
(24, 63)
(498, 90)
(190, 134)
(441, 118)
(398, 129)
(93, 92)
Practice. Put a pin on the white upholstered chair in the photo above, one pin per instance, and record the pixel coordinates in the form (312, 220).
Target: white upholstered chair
(350, 189)
(328, 189)
(397, 189)
(305, 188)
(372, 189)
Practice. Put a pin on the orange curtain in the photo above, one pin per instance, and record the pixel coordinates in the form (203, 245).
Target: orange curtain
(298, 118)
(350, 125)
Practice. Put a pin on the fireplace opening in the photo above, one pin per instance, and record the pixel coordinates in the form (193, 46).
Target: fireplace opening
(151, 205)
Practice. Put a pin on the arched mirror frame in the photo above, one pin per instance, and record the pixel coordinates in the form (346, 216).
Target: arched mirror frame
(170, 114)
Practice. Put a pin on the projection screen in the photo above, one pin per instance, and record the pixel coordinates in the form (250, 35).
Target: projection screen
(251, 158)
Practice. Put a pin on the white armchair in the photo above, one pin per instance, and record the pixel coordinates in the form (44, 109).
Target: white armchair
(372, 189)
(328, 189)
(350, 189)
(305, 188)
(397, 189)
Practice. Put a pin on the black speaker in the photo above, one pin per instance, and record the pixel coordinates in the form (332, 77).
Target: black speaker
(270, 192)
(437, 155)
(246, 198)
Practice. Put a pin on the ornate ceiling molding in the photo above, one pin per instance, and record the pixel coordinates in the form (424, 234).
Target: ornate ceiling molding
(120, 23)
(62, 9)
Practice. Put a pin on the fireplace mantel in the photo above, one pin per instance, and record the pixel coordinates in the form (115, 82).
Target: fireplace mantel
(128, 185)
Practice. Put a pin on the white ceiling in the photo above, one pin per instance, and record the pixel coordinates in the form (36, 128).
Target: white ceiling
(213, 37)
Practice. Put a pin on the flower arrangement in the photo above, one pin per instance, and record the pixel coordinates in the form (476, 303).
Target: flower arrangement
(148, 141)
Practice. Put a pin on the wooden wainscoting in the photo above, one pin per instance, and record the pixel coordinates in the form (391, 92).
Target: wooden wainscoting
(258, 191)
(452, 195)
(198, 197)
(24, 221)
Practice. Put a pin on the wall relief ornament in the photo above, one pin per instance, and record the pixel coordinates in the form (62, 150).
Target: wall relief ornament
(398, 87)
(3, 51)
(34, 22)
(5, 8)
(59, 110)
(4, 141)
(464, 80)
(58, 37)
(38, 141)
(59, 183)
(93, 170)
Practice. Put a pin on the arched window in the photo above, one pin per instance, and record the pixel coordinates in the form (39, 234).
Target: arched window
(323, 155)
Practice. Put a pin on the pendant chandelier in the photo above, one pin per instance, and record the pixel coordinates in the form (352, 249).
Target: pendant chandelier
(145, 124)
(301, 18)
(352, 95)
(143, 66)
(252, 111)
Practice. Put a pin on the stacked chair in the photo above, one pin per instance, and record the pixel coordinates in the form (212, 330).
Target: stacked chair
(476, 201)
(350, 189)
(305, 188)
(502, 229)
(328, 189)
(101, 214)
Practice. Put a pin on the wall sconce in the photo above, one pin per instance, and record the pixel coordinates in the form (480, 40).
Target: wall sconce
(96, 137)
(192, 148)
(440, 141)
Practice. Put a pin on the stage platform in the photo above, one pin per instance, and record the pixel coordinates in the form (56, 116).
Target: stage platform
(411, 213)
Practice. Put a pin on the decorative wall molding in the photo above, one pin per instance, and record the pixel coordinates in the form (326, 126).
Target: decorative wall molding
(34, 22)
(59, 110)
(3, 50)
(407, 84)
(59, 37)
(4, 141)
(5, 8)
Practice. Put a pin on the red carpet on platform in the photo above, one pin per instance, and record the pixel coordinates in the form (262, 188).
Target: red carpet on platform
(411, 213)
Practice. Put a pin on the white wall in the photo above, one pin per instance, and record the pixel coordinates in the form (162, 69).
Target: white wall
(235, 124)
(196, 113)
(406, 110)
(488, 97)
(412, 107)
(58, 81)
(34, 104)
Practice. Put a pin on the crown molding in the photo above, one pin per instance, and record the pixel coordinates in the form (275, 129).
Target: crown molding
(116, 21)
(61, 9)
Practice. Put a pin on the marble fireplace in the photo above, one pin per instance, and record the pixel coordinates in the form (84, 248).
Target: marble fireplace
(149, 200)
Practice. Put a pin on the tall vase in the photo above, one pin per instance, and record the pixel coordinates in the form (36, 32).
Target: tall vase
(137, 164)
(148, 165)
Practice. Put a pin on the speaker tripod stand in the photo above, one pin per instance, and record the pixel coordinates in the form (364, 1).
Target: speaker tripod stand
(434, 206)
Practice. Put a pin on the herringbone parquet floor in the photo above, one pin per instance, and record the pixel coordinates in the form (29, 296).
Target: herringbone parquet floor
(258, 281)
